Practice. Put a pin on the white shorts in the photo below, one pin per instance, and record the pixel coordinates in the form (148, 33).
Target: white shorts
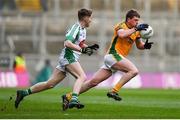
(63, 60)
(110, 60)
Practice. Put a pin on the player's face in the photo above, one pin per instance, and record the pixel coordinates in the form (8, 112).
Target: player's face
(87, 20)
(133, 21)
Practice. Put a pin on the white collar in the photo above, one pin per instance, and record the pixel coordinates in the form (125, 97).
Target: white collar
(80, 25)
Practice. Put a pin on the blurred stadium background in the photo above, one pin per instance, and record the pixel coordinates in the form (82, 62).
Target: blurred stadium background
(37, 28)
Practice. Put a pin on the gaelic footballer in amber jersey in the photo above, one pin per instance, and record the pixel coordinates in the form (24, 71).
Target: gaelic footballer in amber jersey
(119, 45)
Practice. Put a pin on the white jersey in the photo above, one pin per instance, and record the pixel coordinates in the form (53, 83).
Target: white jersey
(76, 34)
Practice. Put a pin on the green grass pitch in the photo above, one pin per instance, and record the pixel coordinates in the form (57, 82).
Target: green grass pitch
(136, 103)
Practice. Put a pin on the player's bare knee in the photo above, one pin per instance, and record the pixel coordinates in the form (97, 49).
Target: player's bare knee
(83, 77)
(135, 72)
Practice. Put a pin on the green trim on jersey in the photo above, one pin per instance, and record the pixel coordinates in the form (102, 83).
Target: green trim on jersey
(117, 57)
(69, 55)
(70, 38)
(112, 49)
(71, 35)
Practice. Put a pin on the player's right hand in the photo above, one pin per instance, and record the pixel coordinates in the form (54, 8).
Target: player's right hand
(87, 50)
(141, 27)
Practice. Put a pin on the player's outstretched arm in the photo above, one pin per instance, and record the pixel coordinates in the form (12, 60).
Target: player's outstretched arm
(85, 50)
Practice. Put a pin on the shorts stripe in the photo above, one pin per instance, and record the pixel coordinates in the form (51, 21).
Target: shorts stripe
(117, 57)
(69, 55)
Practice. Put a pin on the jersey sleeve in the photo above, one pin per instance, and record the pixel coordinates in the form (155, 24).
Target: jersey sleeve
(72, 33)
(117, 27)
(82, 35)
(138, 35)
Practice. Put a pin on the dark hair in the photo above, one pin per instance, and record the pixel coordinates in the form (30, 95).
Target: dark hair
(132, 13)
(83, 13)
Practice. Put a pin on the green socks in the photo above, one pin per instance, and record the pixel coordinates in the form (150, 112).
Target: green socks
(74, 97)
(29, 91)
(26, 92)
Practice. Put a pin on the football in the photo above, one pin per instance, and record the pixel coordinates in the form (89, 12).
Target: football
(146, 34)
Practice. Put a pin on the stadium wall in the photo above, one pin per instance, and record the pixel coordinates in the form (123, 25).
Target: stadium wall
(146, 80)
(143, 80)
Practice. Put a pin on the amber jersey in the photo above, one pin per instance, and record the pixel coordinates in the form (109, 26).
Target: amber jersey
(119, 45)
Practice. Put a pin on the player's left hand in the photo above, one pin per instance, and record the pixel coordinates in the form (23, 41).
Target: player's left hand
(87, 50)
(94, 47)
(147, 44)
